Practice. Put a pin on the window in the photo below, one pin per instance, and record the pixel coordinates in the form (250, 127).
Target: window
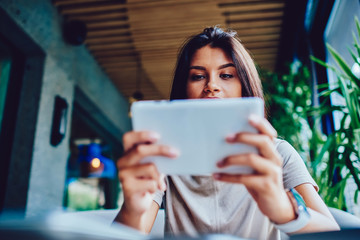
(5, 66)
(92, 181)
(21, 68)
(338, 34)
(340, 38)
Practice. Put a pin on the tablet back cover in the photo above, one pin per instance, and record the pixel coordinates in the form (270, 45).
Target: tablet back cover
(197, 128)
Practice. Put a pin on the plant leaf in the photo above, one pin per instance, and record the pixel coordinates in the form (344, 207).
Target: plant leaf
(356, 44)
(357, 25)
(356, 196)
(324, 149)
(331, 164)
(322, 63)
(326, 93)
(353, 171)
(350, 103)
(343, 65)
(322, 85)
(356, 59)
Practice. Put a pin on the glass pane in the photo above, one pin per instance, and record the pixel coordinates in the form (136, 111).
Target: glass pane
(340, 38)
(5, 66)
(91, 174)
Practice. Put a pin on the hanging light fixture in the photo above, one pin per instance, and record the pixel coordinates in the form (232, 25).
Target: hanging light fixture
(93, 163)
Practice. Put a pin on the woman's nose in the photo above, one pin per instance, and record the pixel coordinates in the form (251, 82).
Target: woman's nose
(212, 86)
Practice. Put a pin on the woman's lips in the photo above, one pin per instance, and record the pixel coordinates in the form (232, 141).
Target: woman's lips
(211, 97)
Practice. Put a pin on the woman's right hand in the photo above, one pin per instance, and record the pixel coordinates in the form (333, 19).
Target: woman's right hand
(141, 180)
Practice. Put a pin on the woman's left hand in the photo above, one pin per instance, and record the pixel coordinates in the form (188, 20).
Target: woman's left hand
(265, 184)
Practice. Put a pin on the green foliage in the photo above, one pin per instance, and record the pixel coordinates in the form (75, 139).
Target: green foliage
(288, 97)
(332, 159)
(339, 156)
(82, 196)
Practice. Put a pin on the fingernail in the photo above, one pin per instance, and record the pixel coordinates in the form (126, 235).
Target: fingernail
(220, 163)
(217, 175)
(154, 136)
(230, 138)
(254, 118)
(173, 152)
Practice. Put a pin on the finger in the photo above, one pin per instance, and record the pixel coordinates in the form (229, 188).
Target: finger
(234, 178)
(131, 176)
(148, 171)
(258, 163)
(141, 171)
(252, 182)
(133, 186)
(131, 139)
(262, 125)
(257, 186)
(147, 186)
(137, 153)
(262, 142)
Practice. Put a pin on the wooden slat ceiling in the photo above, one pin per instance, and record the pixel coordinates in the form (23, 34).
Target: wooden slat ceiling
(136, 41)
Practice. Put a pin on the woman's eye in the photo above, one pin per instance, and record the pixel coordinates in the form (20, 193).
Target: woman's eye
(226, 76)
(197, 77)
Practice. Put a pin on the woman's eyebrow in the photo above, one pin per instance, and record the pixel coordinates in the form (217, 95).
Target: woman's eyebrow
(197, 67)
(226, 65)
(221, 67)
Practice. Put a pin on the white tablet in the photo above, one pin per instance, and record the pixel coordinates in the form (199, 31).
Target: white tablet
(197, 128)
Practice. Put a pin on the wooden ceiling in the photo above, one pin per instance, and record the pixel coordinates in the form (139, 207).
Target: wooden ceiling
(136, 41)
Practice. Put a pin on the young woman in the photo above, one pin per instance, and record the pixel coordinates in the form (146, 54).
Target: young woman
(214, 64)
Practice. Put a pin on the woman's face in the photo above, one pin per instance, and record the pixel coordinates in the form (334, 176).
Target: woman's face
(212, 74)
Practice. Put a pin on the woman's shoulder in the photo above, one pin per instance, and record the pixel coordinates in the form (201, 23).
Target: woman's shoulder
(288, 153)
(283, 147)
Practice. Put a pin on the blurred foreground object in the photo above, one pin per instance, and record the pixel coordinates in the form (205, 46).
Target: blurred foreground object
(58, 226)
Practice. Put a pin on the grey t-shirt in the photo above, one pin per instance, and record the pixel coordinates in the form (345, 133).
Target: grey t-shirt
(197, 205)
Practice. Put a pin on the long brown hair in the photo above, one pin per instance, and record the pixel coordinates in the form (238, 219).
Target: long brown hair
(231, 45)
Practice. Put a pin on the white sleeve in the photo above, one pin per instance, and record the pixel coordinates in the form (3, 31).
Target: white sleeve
(158, 197)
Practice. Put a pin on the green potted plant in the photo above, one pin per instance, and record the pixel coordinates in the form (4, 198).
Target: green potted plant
(338, 158)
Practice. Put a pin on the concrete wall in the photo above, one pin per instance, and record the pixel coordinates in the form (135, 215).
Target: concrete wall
(65, 67)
